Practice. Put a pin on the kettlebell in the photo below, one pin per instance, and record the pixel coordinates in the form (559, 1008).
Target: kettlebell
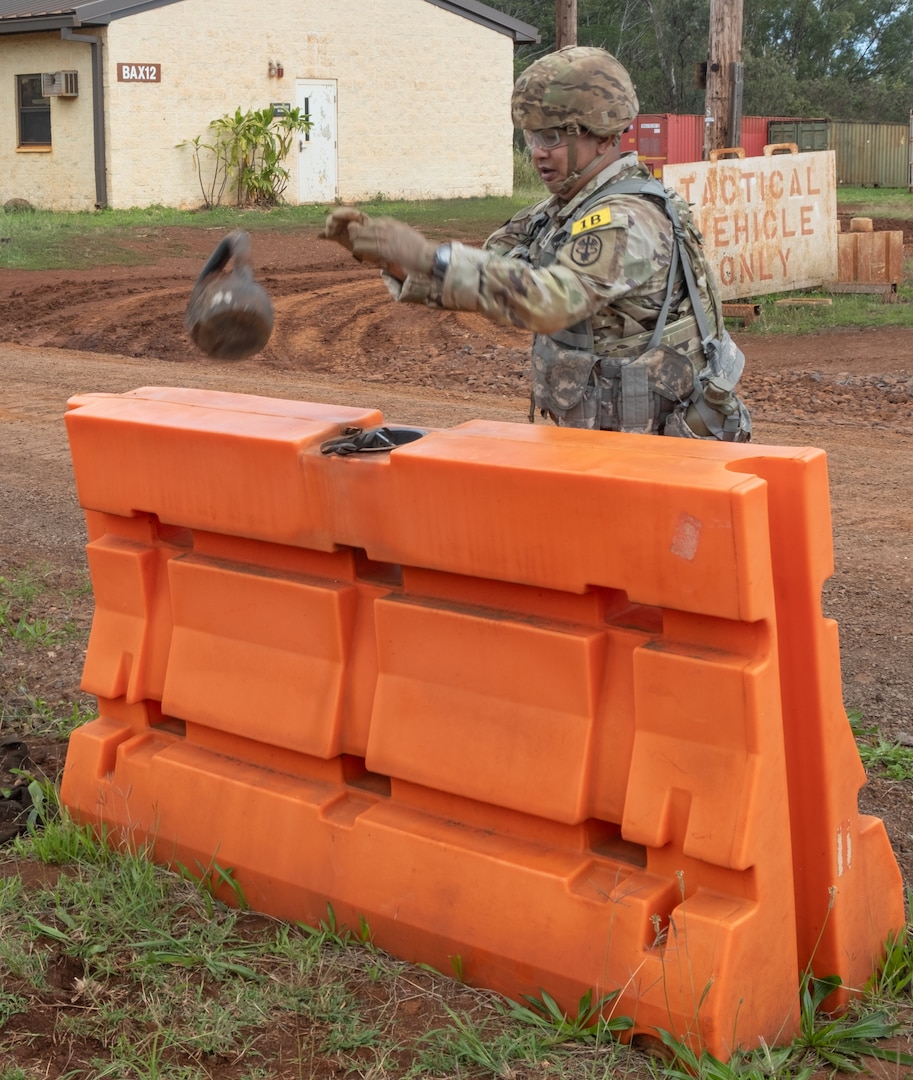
(229, 315)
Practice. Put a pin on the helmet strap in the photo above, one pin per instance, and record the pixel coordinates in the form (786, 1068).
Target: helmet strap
(562, 187)
(568, 187)
(573, 130)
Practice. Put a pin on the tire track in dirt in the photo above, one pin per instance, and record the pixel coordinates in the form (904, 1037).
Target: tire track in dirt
(334, 317)
(341, 322)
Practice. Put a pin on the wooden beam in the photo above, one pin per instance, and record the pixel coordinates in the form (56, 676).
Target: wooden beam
(746, 312)
(887, 292)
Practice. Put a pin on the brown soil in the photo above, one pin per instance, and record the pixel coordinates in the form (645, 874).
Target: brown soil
(339, 338)
(846, 215)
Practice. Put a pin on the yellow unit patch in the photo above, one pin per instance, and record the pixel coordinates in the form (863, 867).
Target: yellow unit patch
(592, 221)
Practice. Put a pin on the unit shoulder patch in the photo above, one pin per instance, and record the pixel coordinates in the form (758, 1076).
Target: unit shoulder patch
(586, 250)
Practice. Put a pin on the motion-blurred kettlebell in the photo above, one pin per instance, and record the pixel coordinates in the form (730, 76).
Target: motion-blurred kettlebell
(229, 315)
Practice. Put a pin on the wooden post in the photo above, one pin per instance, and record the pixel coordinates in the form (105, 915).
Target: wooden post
(736, 83)
(910, 145)
(724, 70)
(565, 23)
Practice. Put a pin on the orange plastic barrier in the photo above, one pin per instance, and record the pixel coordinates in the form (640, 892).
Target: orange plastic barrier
(560, 703)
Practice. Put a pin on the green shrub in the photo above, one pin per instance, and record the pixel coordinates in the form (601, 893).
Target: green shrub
(246, 155)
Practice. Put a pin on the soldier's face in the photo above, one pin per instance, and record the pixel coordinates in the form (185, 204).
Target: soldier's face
(552, 162)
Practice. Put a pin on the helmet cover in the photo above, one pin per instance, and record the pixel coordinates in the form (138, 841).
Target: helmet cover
(576, 85)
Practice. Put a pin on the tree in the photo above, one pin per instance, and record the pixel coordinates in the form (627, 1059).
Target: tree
(832, 38)
(847, 59)
(654, 39)
(678, 47)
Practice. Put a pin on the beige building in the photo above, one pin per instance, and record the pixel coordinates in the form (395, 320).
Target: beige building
(407, 98)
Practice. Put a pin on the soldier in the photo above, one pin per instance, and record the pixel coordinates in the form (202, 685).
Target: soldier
(608, 272)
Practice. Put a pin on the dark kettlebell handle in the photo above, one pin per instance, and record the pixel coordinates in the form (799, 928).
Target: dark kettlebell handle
(236, 245)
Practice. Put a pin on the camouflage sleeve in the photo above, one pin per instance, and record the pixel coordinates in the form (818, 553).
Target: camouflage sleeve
(416, 289)
(511, 292)
(597, 266)
(513, 233)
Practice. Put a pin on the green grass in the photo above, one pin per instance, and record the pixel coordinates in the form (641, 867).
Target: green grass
(37, 617)
(881, 756)
(19, 622)
(877, 202)
(44, 240)
(859, 310)
(29, 714)
(825, 1043)
(165, 981)
(894, 979)
(528, 188)
(849, 310)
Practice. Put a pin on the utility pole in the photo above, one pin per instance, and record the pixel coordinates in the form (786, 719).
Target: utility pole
(723, 115)
(565, 23)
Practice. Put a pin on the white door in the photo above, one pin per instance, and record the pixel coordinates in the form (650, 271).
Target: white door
(317, 147)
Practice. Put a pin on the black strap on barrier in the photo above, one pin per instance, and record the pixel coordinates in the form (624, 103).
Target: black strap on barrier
(367, 440)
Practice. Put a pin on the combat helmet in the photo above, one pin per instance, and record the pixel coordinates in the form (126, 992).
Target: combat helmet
(577, 85)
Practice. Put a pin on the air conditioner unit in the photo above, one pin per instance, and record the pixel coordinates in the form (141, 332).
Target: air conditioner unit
(60, 84)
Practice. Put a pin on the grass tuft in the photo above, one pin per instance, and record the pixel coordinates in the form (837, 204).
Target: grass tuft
(893, 981)
(879, 755)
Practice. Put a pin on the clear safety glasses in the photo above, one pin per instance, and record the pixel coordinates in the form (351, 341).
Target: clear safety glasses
(546, 139)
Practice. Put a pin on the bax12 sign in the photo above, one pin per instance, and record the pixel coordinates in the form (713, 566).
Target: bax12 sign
(769, 223)
(139, 72)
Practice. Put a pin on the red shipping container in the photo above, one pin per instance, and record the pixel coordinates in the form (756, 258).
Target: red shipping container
(756, 133)
(672, 139)
(661, 138)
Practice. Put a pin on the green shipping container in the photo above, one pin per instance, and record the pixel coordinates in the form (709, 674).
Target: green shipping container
(866, 154)
(806, 134)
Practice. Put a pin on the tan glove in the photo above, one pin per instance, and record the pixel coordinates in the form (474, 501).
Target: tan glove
(388, 242)
(337, 225)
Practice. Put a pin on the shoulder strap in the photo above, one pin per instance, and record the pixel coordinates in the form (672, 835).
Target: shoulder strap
(652, 186)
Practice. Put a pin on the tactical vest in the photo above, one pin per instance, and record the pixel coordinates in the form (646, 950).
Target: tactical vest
(651, 382)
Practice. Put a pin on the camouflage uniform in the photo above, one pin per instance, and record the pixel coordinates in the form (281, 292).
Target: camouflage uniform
(588, 278)
(598, 278)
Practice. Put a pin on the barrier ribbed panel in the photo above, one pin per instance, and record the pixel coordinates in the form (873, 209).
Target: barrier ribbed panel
(560, 703)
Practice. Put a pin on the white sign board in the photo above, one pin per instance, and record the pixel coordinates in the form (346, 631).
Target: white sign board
(769, 223)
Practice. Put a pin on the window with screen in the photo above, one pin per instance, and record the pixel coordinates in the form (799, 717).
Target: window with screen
(34, 112)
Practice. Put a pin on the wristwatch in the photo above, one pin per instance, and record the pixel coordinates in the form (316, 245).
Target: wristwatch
(441, 263)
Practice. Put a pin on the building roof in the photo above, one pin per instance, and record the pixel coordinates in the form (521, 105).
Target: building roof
(487, 16)
(27, 16)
